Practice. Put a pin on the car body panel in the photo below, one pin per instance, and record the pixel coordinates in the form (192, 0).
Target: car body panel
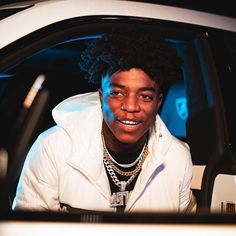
(44, 13)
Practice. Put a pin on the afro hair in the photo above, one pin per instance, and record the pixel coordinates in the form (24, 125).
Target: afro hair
(122, 50)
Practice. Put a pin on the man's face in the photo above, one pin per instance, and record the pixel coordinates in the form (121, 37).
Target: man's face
(130, 101)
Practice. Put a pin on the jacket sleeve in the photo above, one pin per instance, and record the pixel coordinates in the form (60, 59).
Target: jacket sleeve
(37, 189)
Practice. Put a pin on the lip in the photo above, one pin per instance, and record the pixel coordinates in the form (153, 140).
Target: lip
(128, 125)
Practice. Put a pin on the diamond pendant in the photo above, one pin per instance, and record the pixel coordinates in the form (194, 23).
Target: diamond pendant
(119, 199)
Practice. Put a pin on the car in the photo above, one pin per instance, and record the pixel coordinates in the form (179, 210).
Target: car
(40, 47)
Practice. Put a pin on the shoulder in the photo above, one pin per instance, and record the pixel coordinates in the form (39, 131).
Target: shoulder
(170, 145)
(51, 144)
(179, 154)
(179, 146)
(53, 135)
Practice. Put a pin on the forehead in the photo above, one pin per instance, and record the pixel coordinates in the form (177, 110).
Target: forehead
(131, 79)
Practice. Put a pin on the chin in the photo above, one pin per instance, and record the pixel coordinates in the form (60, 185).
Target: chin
(127, 139)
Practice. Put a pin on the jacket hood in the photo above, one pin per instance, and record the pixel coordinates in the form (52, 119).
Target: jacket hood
(81, 107)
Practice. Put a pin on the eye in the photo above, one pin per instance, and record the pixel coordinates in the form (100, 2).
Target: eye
(115, 93)
(146, 97)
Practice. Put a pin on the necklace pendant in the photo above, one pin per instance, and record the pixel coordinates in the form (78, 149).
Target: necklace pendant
(119, 199)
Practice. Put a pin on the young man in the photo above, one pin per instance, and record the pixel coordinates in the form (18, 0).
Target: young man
(110, 150)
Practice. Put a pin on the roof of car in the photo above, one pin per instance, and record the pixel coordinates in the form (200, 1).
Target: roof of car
(33, 15)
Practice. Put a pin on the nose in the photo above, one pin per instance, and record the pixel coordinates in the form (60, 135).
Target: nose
(130, 104)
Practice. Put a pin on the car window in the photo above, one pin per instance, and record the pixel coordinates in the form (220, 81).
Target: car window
(36, 77)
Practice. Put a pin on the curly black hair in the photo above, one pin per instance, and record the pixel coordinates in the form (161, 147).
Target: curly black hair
(120, 50)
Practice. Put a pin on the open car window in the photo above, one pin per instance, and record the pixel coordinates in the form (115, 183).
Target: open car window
(45, 71)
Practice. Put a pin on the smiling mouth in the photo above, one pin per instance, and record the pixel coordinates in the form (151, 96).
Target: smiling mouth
(129, 122)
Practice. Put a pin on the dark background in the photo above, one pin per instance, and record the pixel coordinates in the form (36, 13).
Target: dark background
(225, 7)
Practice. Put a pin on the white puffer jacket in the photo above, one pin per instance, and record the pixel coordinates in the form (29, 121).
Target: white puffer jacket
(65, 165)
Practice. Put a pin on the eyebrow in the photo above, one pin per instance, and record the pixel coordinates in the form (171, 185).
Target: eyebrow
(148, 89)
(117, 85)
(141, 89)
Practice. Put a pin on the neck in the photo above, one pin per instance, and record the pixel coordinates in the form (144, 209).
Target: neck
(115, 145)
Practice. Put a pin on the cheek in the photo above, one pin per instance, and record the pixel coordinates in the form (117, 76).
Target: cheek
(151, 114)
(151, 118)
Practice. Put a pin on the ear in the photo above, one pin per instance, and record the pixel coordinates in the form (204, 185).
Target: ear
(100, 94)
